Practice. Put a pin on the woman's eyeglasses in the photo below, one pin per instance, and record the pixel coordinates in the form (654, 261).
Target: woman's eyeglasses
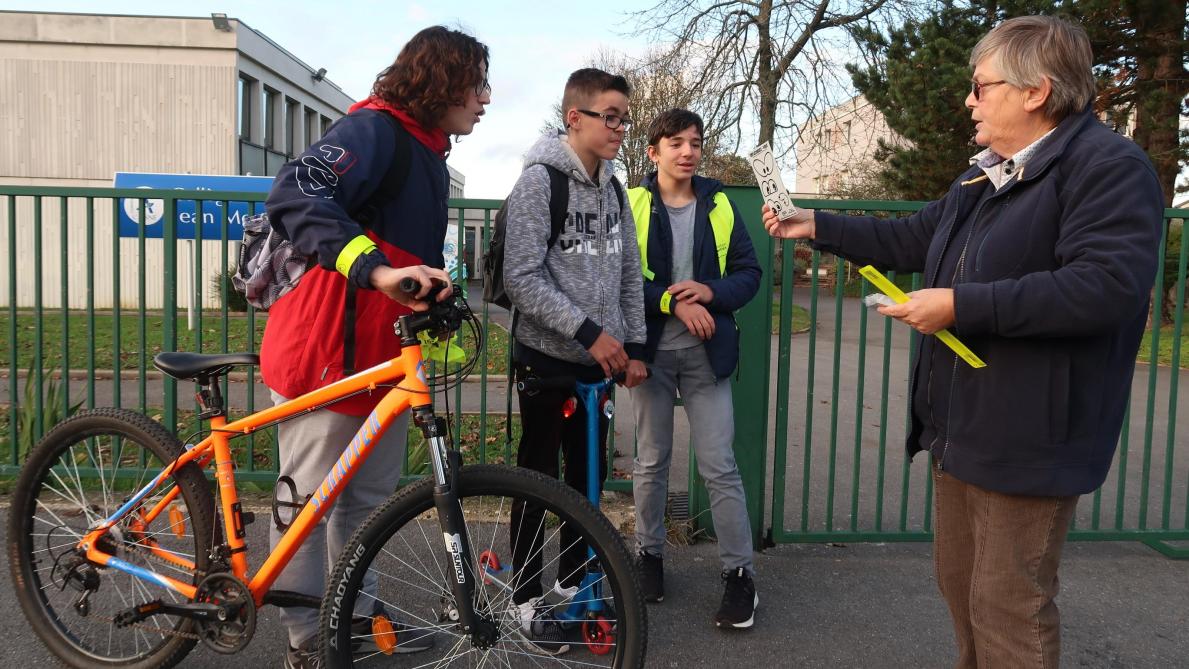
(976, 89)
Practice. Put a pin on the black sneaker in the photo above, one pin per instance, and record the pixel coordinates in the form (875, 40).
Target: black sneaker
(535, 621)
(384, 633)
(305, 656)
(652, 576)
(739, 600)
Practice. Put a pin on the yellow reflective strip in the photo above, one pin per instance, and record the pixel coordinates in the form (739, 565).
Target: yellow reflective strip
(640, 199)
(666, 299)
(354, 248)
(722, 222)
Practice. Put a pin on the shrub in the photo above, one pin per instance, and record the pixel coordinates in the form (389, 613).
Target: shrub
(221, 283)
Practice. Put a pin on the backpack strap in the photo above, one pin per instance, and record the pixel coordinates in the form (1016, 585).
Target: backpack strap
(559, 203)
(394, 179)
(618, 190)
(390, 187)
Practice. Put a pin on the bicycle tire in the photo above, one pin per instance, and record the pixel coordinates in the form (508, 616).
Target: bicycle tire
(54, 502)
(409, 515)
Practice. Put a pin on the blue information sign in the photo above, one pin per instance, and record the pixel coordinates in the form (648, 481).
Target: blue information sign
(187, 210)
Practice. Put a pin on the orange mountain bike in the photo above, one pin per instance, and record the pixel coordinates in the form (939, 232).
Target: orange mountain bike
(121, 556)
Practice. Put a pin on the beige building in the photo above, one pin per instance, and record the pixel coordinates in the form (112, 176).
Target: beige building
(838, 148)
(84, 96)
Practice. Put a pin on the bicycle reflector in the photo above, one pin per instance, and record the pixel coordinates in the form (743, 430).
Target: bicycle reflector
(177, 521)
(383, 634)
(569, 407)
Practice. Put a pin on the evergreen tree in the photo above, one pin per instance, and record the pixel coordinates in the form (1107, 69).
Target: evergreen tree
(920, 76)
(919, 79)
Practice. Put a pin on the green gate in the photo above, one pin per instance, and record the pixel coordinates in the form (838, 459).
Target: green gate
(839, 467)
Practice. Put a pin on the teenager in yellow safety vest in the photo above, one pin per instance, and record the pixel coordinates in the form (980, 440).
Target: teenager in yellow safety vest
(699, 267)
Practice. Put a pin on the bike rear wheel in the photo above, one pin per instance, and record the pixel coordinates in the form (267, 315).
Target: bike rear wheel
(401, 546)
(80, 473)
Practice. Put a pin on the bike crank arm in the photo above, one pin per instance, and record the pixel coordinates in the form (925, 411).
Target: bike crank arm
(195, 610)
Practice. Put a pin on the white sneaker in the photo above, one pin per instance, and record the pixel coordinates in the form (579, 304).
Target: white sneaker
(521, 615)
(564, 593)
(536, 625)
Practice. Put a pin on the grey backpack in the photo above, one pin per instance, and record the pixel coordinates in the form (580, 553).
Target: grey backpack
(269, 265)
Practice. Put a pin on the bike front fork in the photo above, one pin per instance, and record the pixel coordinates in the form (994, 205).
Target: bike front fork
(446, 464)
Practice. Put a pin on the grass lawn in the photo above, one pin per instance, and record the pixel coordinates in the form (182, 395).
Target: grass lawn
(800, 318)
(1164, 354)
(259, 446)
(210, 334)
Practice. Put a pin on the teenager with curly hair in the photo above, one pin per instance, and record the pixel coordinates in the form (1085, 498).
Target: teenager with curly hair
(339, 317)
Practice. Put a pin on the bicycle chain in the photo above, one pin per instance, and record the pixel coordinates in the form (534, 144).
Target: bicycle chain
(148, 555)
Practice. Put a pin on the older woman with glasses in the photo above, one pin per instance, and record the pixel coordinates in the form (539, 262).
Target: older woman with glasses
(1041, 257)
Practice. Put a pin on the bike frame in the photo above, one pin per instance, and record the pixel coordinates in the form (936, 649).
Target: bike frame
(411, 391)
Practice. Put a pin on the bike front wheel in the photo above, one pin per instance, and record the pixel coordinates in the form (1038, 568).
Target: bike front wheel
(397, 567)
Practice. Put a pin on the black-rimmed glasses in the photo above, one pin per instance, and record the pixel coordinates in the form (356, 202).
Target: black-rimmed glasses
(482, 88)
(976, 89)
(612, 121)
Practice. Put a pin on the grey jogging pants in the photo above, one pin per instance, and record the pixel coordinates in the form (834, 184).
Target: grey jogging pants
(308, 447)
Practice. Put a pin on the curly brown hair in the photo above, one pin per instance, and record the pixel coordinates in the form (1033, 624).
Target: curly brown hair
(432, 72)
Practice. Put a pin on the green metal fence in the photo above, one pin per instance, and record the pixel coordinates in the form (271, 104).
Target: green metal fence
(839, 466)
(81, 297)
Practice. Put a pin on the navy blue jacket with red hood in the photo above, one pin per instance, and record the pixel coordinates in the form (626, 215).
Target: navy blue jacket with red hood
(732, 290)
(302, 349)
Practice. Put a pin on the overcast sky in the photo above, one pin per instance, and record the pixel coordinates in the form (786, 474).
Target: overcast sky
(534, 46)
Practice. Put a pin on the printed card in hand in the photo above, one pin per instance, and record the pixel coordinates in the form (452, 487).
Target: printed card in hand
(763, 164)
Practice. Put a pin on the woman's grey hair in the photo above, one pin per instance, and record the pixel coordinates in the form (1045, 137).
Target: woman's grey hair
(1027, 48)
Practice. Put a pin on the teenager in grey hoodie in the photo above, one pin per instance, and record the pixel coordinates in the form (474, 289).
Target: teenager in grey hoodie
(589, 281)
(579, 306)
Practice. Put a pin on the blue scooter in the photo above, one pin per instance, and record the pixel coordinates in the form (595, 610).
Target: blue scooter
(587, 606)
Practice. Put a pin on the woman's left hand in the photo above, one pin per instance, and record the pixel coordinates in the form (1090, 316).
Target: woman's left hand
(926, 311)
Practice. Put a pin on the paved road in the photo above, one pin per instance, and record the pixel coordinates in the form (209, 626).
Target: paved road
(863, 605)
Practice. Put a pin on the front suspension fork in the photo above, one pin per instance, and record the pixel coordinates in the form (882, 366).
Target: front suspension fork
(446, 464)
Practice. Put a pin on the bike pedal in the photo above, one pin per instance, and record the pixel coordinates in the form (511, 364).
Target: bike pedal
(137, 613)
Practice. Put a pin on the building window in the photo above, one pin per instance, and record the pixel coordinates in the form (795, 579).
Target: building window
(292, 108)
(312, 128)
(244, 122)
(268, 102)
(325, 125)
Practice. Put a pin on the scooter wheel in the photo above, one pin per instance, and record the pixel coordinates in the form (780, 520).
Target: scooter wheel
(489, 562)
(598, 635)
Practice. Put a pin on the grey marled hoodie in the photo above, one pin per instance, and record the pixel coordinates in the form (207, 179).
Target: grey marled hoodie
(589, 281)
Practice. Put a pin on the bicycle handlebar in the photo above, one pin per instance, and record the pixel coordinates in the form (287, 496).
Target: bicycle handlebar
(413, 286)
(551, 383)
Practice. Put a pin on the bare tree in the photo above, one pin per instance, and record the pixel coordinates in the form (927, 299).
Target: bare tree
(764, 62)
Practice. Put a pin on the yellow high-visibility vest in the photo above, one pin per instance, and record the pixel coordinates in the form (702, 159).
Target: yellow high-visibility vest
(722, 222)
